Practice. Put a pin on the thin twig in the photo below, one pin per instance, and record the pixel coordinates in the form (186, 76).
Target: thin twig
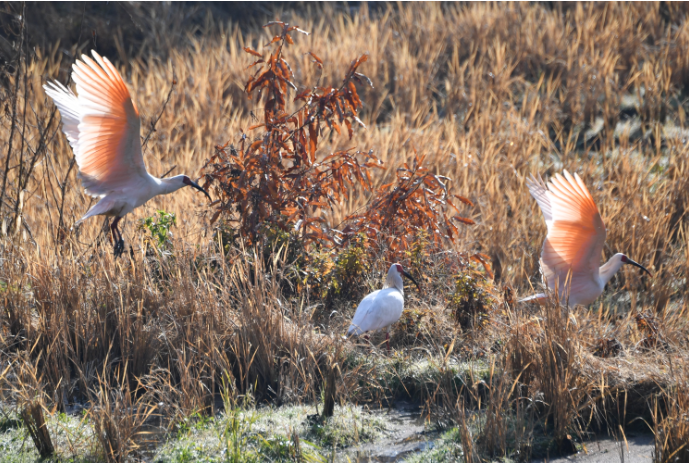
(42, 147)
(171, 169)
(14, 105)
(62, 202)
(17, 212)
(155, 121)
(72, 162)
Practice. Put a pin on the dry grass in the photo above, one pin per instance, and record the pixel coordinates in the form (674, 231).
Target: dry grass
(671, 420)
(490, 93)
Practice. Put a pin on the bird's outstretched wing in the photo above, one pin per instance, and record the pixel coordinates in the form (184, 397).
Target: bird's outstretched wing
(539, 191)
(102, 125)
(576, 233)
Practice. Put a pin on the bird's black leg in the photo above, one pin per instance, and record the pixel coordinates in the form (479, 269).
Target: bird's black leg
(117, 236)
(387, 340)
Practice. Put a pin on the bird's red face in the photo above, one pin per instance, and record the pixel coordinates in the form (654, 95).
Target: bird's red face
(401, 271)
(627, 260)
(187, 181)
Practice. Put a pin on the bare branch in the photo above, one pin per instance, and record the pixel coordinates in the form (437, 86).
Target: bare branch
(152, 128)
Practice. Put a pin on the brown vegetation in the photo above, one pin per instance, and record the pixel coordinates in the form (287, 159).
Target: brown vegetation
(465, 102)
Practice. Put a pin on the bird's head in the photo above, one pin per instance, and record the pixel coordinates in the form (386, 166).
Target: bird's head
(395, 277)
(627, 260)
(187, 181)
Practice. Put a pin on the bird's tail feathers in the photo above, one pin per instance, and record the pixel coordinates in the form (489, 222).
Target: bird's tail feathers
(93, 186)
(102, 207)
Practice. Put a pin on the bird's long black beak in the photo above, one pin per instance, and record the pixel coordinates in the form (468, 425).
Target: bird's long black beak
(406, 274)
(636, 264)
(198, 187)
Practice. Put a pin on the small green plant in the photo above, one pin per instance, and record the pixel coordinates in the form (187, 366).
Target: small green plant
(235, 434)
(419, 249)
(472, 300)
(159, 228)
(350, 267)
(195, 421)
(236, 425)
(275, 240)
(332, 274)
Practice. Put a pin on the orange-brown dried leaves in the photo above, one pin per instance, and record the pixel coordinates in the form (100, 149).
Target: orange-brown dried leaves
(276, 178)
(417, 201)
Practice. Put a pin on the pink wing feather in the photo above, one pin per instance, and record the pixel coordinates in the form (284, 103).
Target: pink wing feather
(102, 125)
(576, 233)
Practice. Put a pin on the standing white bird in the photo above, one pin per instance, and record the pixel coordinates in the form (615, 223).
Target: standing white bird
(382, 308)
(576, 234)
(102, 125)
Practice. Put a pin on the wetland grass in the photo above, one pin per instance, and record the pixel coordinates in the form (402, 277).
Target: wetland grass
(486, 94)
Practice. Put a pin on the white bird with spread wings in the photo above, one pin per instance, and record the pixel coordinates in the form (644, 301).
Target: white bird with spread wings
(572, 250)
(102, 125)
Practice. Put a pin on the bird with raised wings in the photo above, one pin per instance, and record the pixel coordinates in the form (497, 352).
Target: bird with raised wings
(383, 307)
(572, 250)
(103, 125)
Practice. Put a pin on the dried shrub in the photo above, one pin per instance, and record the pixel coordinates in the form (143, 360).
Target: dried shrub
(275, 178)
(274, 181)
(647, 324)
(421, 326)
(417, 202)
(508, 429)
(265, 349)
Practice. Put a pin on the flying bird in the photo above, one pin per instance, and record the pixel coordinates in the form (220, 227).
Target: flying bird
(572, 249)
(103, 125)
(382, 308)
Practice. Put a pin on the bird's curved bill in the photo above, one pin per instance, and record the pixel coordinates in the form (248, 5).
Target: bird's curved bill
(198, 187)
(406, 274)
(636, 264)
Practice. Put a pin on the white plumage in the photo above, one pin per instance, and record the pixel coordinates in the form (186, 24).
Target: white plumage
(102, 126)
(381, 308)
(572, 249)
